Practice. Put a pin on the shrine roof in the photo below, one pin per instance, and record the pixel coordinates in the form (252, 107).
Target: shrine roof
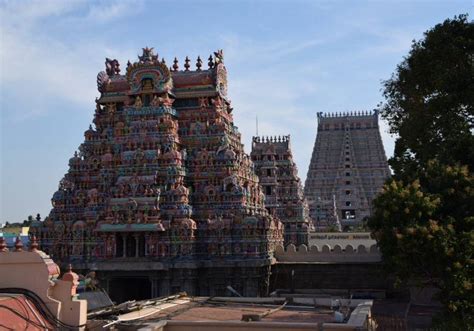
(114, 86)
(192, 78)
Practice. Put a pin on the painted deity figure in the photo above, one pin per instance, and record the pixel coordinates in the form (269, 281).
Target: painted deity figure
(111, 108)
(138, 102)
(203, 102)
(110, 246)
(155, 102)
(166, 101)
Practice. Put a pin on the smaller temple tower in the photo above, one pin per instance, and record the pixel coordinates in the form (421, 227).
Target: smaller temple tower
(279, 180)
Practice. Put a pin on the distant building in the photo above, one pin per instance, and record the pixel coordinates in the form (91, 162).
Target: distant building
(10, 235)
(347, 170)
(283, 190)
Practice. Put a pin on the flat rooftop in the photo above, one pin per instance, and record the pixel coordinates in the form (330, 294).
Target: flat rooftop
(203, 309)
(221, 313)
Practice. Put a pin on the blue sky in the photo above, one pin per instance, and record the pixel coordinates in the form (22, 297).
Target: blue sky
(286, 60)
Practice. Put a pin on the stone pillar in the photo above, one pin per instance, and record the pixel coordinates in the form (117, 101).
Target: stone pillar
(146, 239)
(137, 246)
(124, 240)
(165, 286)
(115, 244)
(155, 287)
(189, 282)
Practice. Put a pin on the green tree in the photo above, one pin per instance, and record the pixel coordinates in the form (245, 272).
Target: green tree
(425, 231)
(430, 99)
(424, 218)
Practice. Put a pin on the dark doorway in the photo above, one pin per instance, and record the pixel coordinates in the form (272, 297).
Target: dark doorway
(124, 289)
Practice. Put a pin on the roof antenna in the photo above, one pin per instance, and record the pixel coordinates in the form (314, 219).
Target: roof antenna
(256, 124)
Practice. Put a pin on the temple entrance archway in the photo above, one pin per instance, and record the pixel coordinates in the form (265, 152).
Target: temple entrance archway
(122, 289)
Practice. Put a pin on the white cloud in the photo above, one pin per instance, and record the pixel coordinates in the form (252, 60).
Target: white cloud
(52, 67)
(27, 13)
(105, 12)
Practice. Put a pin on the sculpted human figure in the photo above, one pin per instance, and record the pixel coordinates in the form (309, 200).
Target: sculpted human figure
(155, 102)
(203, 102)
(138, 102)
(166, 101)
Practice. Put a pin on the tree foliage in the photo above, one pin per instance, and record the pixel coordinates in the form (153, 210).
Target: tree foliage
(424, 218)
(425, 230)
(430, 99)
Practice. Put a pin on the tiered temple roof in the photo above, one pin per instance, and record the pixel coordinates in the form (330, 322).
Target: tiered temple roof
(162, 174)
(279, 179)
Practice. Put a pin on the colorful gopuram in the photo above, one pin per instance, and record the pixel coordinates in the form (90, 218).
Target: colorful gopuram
(347, 170)
(279, 179)
(161, 191)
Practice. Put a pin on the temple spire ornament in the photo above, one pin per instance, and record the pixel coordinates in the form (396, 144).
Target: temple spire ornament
(33, 244)
(148, 56)
(210, 62)
(219, 56)
(186, 63)
(3, 244)
(198, 64)
(112, 67)
(18, 245)
(175, 64)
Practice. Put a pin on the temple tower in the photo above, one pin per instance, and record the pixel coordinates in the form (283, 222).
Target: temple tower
(279, 180)
(348, 168)
(161, 188)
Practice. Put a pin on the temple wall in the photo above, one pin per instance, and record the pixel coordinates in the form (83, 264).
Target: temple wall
(328, 254)
(312, 275)
(202, 281)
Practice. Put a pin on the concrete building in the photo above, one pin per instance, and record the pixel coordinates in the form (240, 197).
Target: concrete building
(348, 168)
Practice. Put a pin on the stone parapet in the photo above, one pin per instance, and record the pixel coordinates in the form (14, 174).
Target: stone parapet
(35, 272)
(328, 254)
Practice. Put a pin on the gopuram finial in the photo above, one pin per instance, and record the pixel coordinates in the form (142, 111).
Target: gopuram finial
(210, 62)
(112, 67)
(198, 63)
(175, 64)
(34, 244)
(219, 56)
(148, 55)
(18, 244)
(186, 63)
(3, 244)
